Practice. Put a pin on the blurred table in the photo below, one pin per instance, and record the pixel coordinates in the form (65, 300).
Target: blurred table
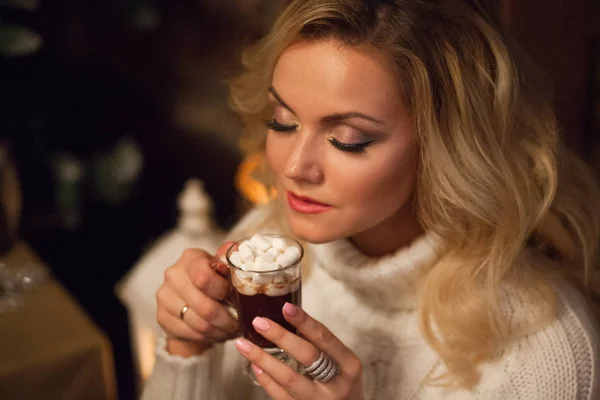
(50, 349)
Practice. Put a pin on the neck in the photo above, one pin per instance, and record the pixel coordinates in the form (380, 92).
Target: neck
(383, 282)
(390, 235)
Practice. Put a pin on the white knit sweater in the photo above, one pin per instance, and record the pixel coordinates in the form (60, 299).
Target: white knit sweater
(369, 303)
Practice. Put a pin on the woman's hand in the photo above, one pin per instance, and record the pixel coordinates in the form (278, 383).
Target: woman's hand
(200, 282)
(281, 381)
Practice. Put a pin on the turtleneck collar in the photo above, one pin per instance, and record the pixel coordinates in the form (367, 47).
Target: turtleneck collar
(387, 282)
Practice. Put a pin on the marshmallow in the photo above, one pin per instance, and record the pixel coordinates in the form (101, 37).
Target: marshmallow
(236, 258)
(273, 252)
(248, 289)
(263, 265)
(291, 276)
(293, 250)
(242, 277)
(246, 252)
(261, 279)
(259, 260)
(278, 243)
(246, 266)
(289, 257)
(260, 242)
(266, 257)
(277, 290)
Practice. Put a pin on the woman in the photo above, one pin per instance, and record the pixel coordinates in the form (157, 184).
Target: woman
(451, 236)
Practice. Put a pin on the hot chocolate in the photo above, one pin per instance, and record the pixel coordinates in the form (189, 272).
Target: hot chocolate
(265, 275)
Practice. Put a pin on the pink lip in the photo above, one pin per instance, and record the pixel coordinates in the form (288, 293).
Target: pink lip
(306, 205)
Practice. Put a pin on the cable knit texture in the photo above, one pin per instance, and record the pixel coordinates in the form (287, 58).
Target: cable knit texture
(369, 303)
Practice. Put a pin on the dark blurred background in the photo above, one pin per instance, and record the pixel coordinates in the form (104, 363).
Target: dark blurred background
(109, 106)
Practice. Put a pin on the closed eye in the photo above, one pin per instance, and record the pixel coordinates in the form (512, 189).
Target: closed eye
(350, 147)
(276, 126)
(279, 127)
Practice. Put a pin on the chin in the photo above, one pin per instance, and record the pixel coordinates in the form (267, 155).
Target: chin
(313, 231)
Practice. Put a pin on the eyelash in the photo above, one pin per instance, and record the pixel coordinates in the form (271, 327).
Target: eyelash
(274, 125)
(278, 127)
(349, 147)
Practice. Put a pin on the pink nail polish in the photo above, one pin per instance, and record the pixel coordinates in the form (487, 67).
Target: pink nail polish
(290, 309)
(257, 369)
(261, 324)
(243, 345)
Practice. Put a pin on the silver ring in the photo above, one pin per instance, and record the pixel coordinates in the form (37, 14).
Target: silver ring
(316, 364)
(184, 309)
(330, 375)
(323, 369)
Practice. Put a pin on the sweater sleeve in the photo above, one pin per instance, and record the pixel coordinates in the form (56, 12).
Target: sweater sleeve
(179, 378)
(215, 374)
(559, 362)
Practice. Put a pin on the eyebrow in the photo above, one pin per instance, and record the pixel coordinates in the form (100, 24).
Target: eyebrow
(278, 98)
(333, 117)
(353, 114)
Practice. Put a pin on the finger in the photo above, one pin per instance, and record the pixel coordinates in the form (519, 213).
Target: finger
(209, 309)
(207, 272)
(270, 385)
(219, 266)
(207, 280)
(300, 349)
(321, 337)
(219, 263)
(168, 299)
(293, 382)
(203, 327)
(176, 328)
(173, 304)
(192, 254)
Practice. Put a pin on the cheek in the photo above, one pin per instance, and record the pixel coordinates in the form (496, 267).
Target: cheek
(379, 188)
(275, 153)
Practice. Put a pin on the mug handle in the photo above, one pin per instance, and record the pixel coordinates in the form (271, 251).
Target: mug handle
(229, 300)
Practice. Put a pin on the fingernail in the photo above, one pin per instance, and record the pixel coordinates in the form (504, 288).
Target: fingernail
(243, 345)
(261, 324)
(221, 268)
(256, 369)
(290, 309)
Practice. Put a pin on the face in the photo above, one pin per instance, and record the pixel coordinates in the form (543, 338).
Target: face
(341, 144)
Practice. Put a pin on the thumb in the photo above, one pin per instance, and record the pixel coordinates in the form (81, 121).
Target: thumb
(220, 263)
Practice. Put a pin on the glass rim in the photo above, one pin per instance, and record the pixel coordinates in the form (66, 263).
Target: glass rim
(228, 253)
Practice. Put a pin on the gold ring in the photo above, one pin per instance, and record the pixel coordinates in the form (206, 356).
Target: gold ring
(184, 309)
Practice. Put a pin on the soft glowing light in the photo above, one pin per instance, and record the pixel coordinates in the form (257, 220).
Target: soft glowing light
(251, 189)
(147, 346)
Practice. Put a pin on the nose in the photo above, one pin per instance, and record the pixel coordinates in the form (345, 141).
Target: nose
(302, 164)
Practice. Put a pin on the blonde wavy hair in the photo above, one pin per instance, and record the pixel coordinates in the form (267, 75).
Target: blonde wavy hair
(494, 183)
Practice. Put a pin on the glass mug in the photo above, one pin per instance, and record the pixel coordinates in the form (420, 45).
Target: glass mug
(263, 294)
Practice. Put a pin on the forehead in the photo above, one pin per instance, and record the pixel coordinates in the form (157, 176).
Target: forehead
(327, 73)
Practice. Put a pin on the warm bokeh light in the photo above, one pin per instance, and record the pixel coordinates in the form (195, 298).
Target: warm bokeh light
(251, 189)
(146, 341)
